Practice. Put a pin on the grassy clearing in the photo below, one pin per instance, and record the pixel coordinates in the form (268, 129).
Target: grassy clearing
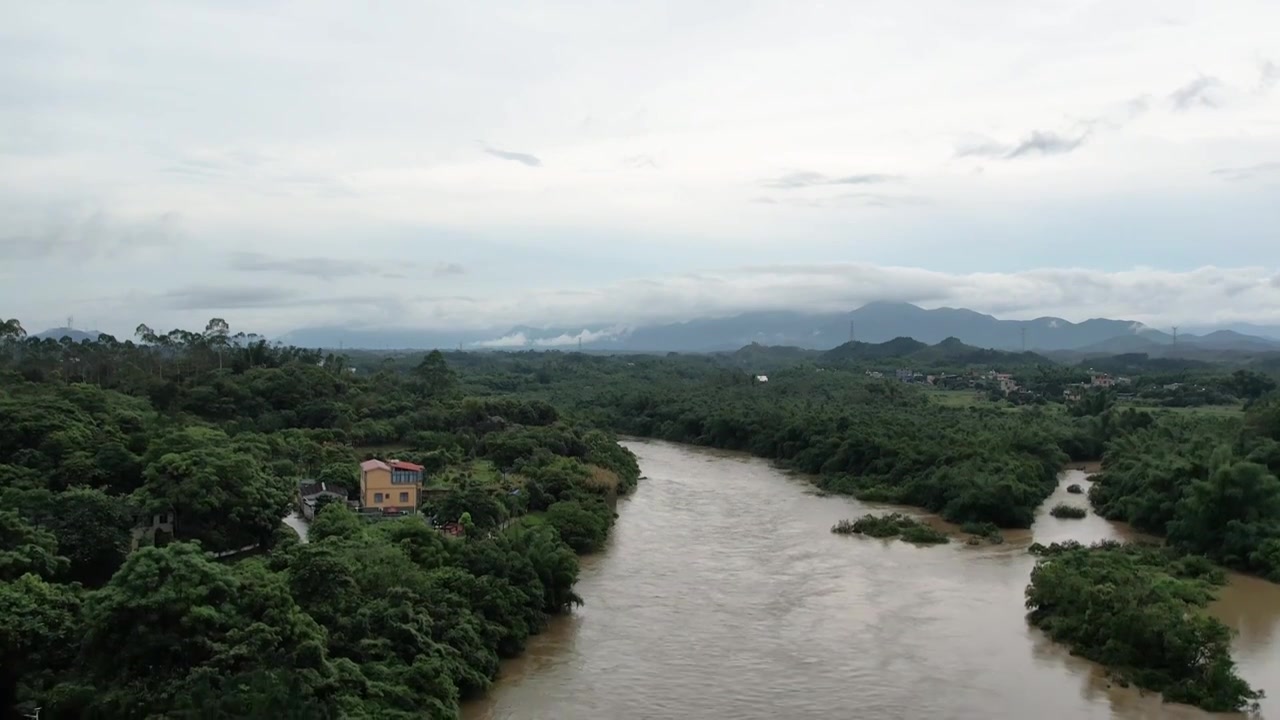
(959, 398)
(480, 471)
(967, 399)
(1226, 411)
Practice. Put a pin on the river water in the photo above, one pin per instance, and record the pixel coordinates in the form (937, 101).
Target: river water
(724, 595)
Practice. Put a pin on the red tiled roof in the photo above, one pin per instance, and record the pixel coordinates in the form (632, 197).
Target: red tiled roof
(373, 465)
(402, 465)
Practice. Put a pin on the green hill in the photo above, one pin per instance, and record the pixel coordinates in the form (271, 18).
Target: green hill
(948, 353)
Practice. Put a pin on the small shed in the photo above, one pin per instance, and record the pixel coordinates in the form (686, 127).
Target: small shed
(310, 492)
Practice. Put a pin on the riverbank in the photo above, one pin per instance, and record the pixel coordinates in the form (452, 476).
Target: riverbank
(687, 615)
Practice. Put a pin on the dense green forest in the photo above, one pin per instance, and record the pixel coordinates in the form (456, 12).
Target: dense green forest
(370, 619)
(1209, 485)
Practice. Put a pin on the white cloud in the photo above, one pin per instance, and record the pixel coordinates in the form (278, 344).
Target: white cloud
(514, 340)
(522, 339)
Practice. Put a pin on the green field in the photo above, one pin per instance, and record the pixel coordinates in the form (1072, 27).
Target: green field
(481, 471)
(966, 398)
(1216, 410)
(971, 398)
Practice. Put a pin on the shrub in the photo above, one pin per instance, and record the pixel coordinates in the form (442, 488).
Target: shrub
(1074, 489)
(1068, 512)
(983, 530)
(583, 526)
(924, 535)
(892, 525)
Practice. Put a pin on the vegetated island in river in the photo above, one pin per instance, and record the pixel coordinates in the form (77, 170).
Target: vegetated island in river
(892, 525)
(1139, 611)
(1064, 511)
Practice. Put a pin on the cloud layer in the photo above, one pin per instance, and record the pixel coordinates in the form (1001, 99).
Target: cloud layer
(336, 165)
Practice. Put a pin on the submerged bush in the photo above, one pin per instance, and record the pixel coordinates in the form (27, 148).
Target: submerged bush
(891, 525)
(983, 530)
(924, 535)
(1068, 512)
(844, 527)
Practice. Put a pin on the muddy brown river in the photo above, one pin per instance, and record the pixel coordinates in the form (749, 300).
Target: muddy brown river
(723, 595)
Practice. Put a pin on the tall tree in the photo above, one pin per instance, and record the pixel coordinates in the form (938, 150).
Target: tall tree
(216, 334)
(437, 378)
(11, 329)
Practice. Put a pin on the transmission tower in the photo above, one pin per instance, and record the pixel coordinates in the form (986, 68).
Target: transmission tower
(1175, 335)
(851, 334)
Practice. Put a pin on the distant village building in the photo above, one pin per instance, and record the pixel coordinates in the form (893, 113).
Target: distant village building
(1003, 382)
(1102, 380)
(762, 378)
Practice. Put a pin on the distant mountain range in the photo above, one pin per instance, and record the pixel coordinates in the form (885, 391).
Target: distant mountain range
(902, 352)
(876, 322)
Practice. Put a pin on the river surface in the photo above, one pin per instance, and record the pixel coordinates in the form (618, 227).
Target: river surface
(723, 595)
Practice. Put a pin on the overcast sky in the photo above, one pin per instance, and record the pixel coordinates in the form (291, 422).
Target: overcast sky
(284, 164)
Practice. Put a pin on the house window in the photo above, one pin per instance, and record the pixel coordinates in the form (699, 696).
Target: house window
(377, 497)
(405, 477)
(404, 497)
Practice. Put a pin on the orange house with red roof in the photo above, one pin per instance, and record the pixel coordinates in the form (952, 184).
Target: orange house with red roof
(391, 485)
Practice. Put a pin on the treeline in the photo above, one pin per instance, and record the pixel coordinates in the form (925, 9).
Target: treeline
(1208, 485)
(386, 619)
(876, 439)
